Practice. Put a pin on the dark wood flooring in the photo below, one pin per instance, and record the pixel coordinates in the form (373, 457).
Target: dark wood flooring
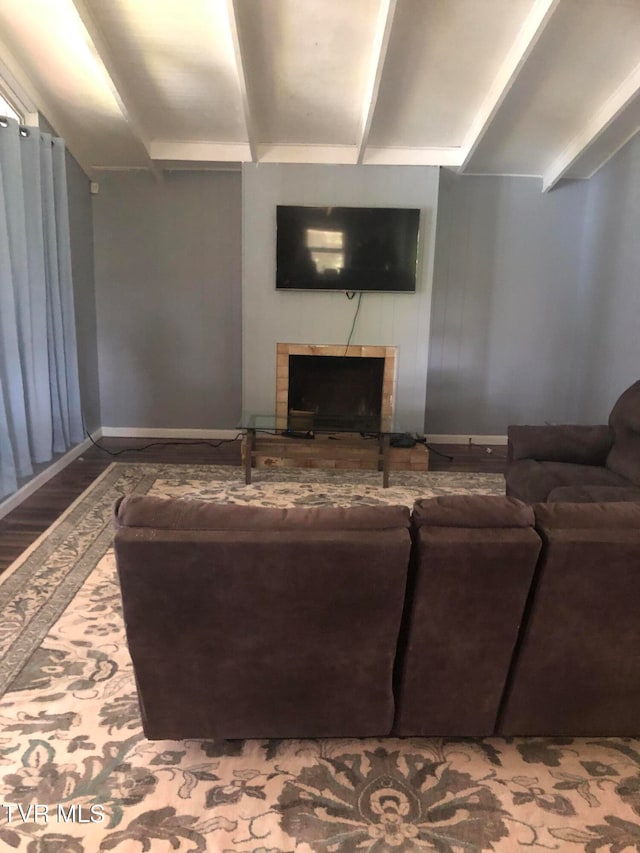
(24, 524)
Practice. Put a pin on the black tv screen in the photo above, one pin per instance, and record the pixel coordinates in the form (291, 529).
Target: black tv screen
(346, 248)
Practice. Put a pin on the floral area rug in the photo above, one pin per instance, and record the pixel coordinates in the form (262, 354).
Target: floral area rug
(78, 776)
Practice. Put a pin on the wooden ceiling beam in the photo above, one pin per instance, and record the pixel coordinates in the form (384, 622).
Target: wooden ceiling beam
(379, 54)
(239, 51)
(116, 81)
(534, 25)
(612, 108)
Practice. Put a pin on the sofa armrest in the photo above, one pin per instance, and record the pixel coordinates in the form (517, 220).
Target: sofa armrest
(581, 445)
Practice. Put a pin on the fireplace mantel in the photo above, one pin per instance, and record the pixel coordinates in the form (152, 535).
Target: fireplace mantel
(284, 350)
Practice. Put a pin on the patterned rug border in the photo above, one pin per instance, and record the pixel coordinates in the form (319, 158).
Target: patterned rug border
(56, 587)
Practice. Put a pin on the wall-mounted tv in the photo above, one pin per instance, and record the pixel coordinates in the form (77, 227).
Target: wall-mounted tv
(347, 248)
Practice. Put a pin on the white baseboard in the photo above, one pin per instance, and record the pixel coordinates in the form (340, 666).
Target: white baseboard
(152, 432)
(204, 434)
(466, 439)
(14, 500)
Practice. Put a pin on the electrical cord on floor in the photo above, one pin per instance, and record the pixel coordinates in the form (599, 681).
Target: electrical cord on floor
(160, 444)
(432, 449)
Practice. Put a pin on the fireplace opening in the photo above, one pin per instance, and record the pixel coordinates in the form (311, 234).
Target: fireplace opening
(335, 392)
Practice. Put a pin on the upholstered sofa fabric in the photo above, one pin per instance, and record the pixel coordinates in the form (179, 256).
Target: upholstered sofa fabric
(533, 481)
(180, 514)
(593, 494)
(542, 459)
(474, 558)
(471, 511)
(480, 615)
(577, 670)
(624, 420)
(577, 444)
(255, 622)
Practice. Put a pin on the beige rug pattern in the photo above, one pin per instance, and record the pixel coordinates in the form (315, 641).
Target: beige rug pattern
(76, 773)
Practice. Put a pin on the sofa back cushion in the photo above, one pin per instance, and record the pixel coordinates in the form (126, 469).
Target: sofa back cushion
(624, 456)
(144, 511)
(260, 622)
(472, 565)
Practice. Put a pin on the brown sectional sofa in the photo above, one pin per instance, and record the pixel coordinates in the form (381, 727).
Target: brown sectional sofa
(484, 616)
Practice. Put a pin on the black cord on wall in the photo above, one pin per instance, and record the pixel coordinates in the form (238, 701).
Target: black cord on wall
(355, 317)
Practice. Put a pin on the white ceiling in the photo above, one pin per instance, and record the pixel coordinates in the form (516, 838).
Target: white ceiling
(549, 88)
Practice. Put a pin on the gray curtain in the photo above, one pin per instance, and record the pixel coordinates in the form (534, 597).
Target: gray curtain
(40, 412)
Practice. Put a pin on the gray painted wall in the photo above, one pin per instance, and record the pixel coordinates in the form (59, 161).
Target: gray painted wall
(611, 277)
(167, 268)
(84, 292)
(385, 319)
(507, 325)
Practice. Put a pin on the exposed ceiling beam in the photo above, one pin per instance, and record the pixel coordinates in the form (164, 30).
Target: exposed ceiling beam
(593, 129)
(116, 81)
(241, 68)
(398, 156)
(294, 153)
(380, 46)
(539, 16)
(223, 152)
(35, 100)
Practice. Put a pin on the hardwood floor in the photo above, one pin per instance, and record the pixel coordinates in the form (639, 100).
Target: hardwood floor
(24, 524)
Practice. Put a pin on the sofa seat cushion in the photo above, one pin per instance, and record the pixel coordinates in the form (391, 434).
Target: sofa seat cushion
(593, 494)
(532, 481)
(470, 511)
(598, 516)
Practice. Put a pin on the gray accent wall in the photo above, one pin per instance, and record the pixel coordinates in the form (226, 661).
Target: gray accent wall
(81, 230)
(611, 276)
(531, 315)
(385, 319)
(508, 339)
(168, 293)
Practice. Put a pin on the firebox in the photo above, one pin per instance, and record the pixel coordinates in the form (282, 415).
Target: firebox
(335, 387)
(335, 392)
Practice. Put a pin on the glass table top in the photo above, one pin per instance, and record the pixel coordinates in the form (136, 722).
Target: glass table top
(304, 422)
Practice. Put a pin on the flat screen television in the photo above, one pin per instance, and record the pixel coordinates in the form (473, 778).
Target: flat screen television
(348, 249)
